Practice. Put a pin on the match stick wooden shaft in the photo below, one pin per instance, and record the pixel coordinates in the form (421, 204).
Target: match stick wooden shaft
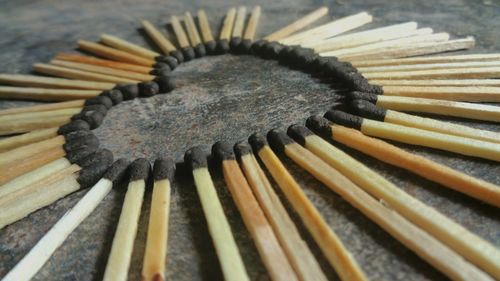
(40, 114)
(257, 224)
(419, 241)
(429, 66)
(28, 150)
(28, 138)
(433, 59)
(138, 77)
(78, 74)
(297, 25)
(44, 248)
(206, 32)
(192, 31)
(155, 254)
(252, 24)
(28, 164)
(450, 73)
(45, 94)
(437, 82)
(179, 32)
(227, 25)
(114, 54)
(161, 41)
(239, 22)
(441, 107)
(331, 246)
(123, 241)
(103, 62)
(42, 107)
(126, 46)
(299, 255)
(419, 165)
(218, 226)
(49, 82)
(473, 94)
(26, 125)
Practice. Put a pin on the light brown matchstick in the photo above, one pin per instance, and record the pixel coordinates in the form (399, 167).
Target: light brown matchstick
(331, 246)
(103, 62)
(26, 125)
(383, 151)
(104, 70)
(206, 32)
(49, 82)
(191, 29)
(268, 246)
(429, 59)
(78, 74)
(41, 114)
(126, 46)
(28, 150)
(403, 229)
(27, 138)
(297, 25)
(438, 82)
(42, 94)
(252, 24)
(471, 94)
(299, 254)
(181, 36)
(227, 25)
(114, 54)
(43, 107)
(161, 41)
(429, 66)
(450, 73)
(239, 22)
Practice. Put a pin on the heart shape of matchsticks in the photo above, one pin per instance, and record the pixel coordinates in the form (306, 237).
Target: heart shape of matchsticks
(58, 154)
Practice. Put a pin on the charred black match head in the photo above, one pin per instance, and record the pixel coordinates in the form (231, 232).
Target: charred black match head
(89, 140)
(271, 50)
(368, 110)
(75, 156)
(320, 125)
(160, 65)
(76, 135)
(222, 150)
(285, 54)
(115, 95)
(93, 118)
(188, 53)
(344, 119)
(257, 46)
(149, 88)
(299, 133)
(355, 95)
(101, 155)
(75, 125)
(92, 108)
(211, 47)
(278, 140)
(117, 171)
(129, 91)
(242, 148)
(200, 50)
(104, 100)
(178, 56)
(166, 83)
(160, 71)
(171, 61)
(234, 44)
(139, 169)
(164, 168)
(257, 141)
(90, 175)
(223, 46)
(245, 46)
(195, 158)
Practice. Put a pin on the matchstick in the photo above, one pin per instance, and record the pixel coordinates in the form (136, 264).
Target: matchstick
(251, 29)
(45, 247)
(419, 165)
(226, 31)
(27, 138)
(438, 82)
(113, 54)
(298, 253)
(328, 30)
(182, 40)
(155, 254)
(206, 32)
(103, 62)
(369, 110)
(42, 107)
(440, 107)
(297, 25)
(239, 25)
(194, 36)
(123, 241)
(42, 94)
(42, 114)
(162, 42)
(471, 94)
(432, 59)
(78, 74)
(429, 66)
(449, 73)
(126, 46)
(49, 82)
(460, 145)
(268, 246)
(331, 246)
(416, 239)
(10, 127)
(104, 70)
(227, 251)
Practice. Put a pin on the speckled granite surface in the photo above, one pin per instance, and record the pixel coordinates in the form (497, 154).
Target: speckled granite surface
(228, 98)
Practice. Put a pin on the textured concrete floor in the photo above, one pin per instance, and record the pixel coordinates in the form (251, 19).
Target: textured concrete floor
(228, 98)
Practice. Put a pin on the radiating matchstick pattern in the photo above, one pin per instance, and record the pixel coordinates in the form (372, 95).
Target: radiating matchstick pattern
(385, 75)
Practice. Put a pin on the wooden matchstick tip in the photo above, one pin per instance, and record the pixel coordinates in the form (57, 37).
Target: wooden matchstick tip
(242, 148)
(75, 125)
(188, 53)
(278, 140)
(78, 155)
(148, 88)
(140, 169)
(103, 100)
(129, 91)
(93, 118)
(355, 95)
(101, 155)
(257, 141)
(76, 135)
(200, 50)
(319, 125)
(344, 119)
(117, 171)
(89, 140)
(222, 150)
(166, 83)
(223, 46)
(299, 133)
(368, 110)
(170, 60)
(114, 94)
(164, 168)
(195, 158)
(91, 174)
(177, 55)
(211, 47)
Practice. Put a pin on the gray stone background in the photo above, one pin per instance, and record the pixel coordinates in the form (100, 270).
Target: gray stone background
(228, 98)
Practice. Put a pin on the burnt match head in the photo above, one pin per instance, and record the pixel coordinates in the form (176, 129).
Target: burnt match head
(320, 125)
(77, 155)
(222, 150)
(299, 133)
(188, 53)
(160, 65)
(149, 88)
(257, 141)
(102, 100)
(195, 157)
(271, 50)
(245, 46)
(278, 140)
(117, 171)
(76, 135)
(242, 148)
(211, 47)
(200, 50)
(164, 168)
(101, 155)
(257, 46)
(344, 119)
(89, 140)
(178, 56)
(355, 95)
(139, 169)
(223, 46)
(75, 125)
(93, 118)
(170, 60)
(165, 83)
(129, 91)
(91, 108)
(234, 44)
(368, 110)
(115, 95)
(161, 71)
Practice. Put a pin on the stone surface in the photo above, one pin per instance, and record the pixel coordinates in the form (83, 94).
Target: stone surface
(228, 98)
